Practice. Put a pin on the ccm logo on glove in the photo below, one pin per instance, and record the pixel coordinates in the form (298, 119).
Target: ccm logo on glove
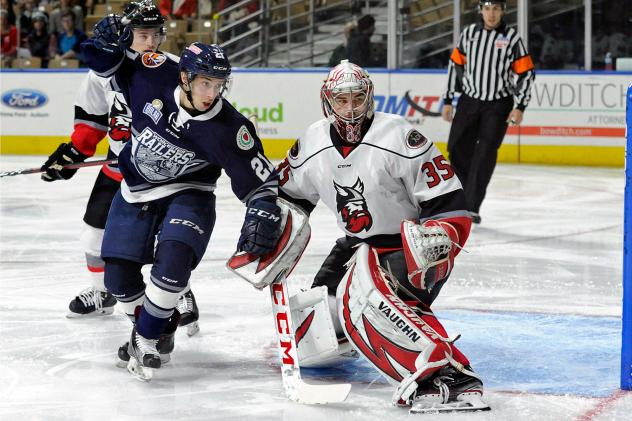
(263, 214)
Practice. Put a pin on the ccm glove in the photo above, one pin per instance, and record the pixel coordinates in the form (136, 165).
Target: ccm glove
(107, 33)
(261, 228)
(65, 154)
(126, 38)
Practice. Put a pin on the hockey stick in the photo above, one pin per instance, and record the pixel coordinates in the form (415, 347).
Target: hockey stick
(66, 167)
(295, 387)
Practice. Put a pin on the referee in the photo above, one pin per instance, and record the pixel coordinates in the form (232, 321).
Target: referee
(494, 73)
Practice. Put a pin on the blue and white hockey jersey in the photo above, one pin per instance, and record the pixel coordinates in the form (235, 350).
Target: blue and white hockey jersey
(171, 150)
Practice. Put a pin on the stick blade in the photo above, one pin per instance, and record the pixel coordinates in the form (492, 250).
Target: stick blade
(320, 394)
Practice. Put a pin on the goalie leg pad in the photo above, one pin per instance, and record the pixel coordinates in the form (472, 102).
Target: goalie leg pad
(319, 336)
(403, 346)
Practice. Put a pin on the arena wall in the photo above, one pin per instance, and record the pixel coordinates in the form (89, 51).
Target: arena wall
(574, 118)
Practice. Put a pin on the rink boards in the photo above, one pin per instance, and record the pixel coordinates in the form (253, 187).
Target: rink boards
(574, 118)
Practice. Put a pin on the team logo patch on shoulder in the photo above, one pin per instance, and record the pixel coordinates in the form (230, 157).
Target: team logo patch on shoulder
(415, 140)
(153, 59)
(294, 149)
(244, 139)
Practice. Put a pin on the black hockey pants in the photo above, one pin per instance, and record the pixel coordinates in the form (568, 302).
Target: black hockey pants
(476, 134)
(333, 269)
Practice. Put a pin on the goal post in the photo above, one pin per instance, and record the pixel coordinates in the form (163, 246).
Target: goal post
(626, 331)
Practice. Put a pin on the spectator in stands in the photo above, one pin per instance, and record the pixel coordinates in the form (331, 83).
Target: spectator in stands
(359, 44)
(179, 9)
(38, 40)
(8, 6)
(340, 52)
(26, 8)
(70, 39)
(56, 15)
(9, 37)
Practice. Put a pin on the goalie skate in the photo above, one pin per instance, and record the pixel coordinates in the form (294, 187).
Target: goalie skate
(91, 302)
(450, 390)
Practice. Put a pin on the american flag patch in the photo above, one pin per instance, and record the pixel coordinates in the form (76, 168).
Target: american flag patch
(195, 48)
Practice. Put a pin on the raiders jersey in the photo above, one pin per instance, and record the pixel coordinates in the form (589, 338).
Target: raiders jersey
(391, 175)
(171, 150)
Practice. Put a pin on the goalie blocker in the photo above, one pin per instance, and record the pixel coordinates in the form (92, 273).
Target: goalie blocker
(261, 271)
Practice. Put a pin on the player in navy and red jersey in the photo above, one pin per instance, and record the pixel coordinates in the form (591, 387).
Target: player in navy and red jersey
(184, 133)
(391, 189)
(100, 111)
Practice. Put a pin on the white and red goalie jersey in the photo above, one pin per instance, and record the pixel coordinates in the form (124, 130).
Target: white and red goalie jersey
(393, 174)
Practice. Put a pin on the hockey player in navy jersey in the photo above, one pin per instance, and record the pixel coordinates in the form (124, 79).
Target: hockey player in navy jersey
(403, 214)
(183, 134)
(99, 112)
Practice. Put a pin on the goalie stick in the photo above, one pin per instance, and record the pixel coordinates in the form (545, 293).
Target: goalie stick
(295, 387)
(67, 167)
(272, 270)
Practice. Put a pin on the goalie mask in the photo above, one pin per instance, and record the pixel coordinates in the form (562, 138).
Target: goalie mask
(347, 99)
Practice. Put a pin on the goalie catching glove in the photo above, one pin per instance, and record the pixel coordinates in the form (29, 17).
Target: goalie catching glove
(65, 154)
(430, 249)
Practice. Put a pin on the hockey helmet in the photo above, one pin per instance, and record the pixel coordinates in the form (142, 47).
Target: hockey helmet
(205, 60)
(343, 80)
(502, 3)
(144, 14)
(208, 60)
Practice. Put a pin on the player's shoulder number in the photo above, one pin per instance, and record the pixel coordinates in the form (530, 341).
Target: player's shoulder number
(436, 170)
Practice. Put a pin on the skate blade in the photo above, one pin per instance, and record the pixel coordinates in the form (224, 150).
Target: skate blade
(467, 404)
(138, 371)
(103, 312)
(164, 359)
(193, 329)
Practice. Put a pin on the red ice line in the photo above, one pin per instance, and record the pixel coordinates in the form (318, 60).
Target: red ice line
(601, 406)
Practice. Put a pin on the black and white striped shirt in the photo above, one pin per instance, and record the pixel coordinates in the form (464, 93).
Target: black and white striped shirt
(484, 65)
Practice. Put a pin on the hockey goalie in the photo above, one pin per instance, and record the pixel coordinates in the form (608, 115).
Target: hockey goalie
(402, 210)
(403, 214)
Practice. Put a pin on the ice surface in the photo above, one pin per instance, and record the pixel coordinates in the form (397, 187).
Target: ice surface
(537, 299)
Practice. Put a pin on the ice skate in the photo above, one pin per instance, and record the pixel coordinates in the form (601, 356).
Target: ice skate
(449, 391)
(165, 344)
(91, 302)
(189, 313)
(143, 356)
